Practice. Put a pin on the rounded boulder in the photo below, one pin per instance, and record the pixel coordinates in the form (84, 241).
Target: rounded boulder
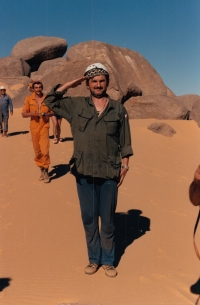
(35, 50)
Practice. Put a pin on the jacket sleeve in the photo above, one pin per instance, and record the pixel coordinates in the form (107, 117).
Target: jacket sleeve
(125, 135)
(62, 106)
(10, 104)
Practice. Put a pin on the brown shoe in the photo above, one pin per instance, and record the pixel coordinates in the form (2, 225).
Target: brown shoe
(46, 176)
(110, 270)
(42, 174)
(91, 268)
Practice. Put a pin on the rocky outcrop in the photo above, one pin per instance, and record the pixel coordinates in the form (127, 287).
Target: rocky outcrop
(37, 49)
(13, 67)
(47, 65)
(195, 112)
(133, 81)
(162, 128)
(188, 100)
(157, 107)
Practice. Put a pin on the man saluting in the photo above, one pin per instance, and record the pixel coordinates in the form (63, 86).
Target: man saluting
(102, 147)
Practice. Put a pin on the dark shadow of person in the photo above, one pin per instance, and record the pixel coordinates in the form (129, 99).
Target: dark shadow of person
(63, 139)
(195, 288)
(59, 171)
(128, 227)
(4, 282)
(16, 133)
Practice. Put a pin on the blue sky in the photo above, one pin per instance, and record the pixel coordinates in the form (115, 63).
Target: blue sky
(165, 32)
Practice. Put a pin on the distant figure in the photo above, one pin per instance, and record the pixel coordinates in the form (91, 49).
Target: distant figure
(5, 105)
(56, 120)
(102, 147)
(39, 113)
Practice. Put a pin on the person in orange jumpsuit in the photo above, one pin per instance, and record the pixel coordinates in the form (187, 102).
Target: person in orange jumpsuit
(39, 113)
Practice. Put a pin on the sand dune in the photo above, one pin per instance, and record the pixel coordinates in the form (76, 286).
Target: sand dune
(42, 243)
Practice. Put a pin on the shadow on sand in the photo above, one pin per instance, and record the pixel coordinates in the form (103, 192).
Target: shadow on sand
(63, 139)
(128, 227)
(195, 288)
(59, 171)
(4, 282)
(16, 133)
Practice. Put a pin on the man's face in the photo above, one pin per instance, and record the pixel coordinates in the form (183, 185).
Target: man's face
(37, 89)
(3, 91)
(97, 86)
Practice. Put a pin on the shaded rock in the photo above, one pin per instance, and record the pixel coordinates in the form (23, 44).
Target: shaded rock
(162, 128)
(155, 106)
(11, 67)
(35, 76)
(19, 99)
(47, 65)
(37, 49)
(188, 100)
(15, 85)
(195, 112)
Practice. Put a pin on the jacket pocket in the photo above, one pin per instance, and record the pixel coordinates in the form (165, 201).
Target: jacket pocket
(113, 167)
(112, 123)
(76, 163)
(83, 119)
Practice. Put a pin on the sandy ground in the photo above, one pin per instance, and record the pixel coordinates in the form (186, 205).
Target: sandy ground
(42, 243)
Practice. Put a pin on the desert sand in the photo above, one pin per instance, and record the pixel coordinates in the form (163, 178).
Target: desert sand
(42, 242)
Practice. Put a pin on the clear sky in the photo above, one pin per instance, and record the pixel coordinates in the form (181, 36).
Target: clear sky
(165, 32)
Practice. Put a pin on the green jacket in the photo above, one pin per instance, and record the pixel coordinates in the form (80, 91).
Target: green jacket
(99, 142)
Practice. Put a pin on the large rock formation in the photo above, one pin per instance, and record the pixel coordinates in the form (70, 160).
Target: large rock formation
(133, 81)
(35, 50)
(157, 107)
(130, 73)
(13, 67)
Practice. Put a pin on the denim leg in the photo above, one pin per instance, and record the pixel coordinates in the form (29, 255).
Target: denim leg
(5, 121)
(107, 207)
(89, 210)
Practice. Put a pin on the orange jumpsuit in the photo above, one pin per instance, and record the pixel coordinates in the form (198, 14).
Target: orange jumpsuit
(39, 127)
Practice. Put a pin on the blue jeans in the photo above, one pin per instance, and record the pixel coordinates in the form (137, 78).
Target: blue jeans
(4, 121)
(98, 198)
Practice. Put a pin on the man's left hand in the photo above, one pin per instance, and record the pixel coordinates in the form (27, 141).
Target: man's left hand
(11, 113)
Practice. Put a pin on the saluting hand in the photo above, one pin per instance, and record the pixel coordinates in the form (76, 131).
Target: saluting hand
(72, 84)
